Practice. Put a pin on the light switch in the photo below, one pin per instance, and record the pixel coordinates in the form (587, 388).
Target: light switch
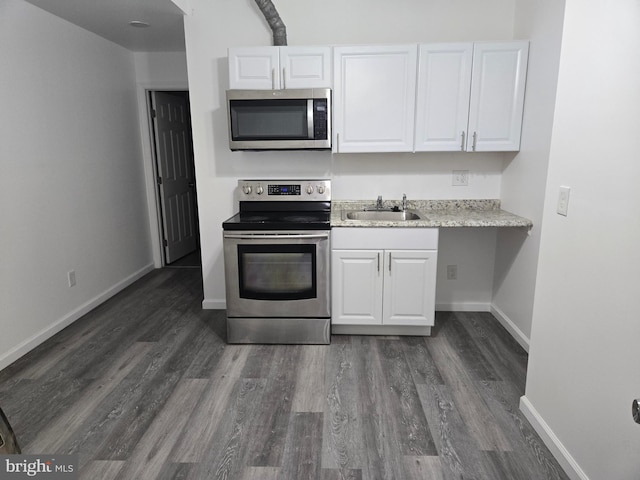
(563, 201)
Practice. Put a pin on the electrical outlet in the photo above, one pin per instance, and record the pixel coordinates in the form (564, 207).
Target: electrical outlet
(460, 178)
(71, 277)
(563, 201)
(452, 272)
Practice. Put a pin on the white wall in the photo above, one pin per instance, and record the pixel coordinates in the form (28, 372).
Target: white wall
(472, 250)
(583, 365)
(213, 27)
(524, 177)
(161, 68)
(71, 188)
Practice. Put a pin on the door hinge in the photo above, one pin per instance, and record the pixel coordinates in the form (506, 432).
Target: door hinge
(166, 244)
(159, 180)
(153, 113)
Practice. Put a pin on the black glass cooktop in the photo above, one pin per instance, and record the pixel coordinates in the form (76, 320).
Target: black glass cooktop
(253, 217)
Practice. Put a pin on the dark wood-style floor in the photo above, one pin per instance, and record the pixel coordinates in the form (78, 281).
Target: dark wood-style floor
(145, 387)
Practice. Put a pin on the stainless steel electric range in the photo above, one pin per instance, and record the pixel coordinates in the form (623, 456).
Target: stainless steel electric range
(276, 259)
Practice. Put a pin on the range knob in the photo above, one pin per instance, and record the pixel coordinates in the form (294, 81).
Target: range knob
(246, 189)
(259, 190)
(321, 189)
(309, 189)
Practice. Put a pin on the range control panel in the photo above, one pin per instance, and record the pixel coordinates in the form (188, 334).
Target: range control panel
(285, 190)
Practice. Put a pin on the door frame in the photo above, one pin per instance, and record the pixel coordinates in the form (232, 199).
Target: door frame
(150, 167)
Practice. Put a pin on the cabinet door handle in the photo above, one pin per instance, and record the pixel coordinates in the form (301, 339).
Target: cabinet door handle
(378, 262)
(338, 142)
(475, 138)
(284, 78)
(464, 134)
(273, 79)
(389, 262)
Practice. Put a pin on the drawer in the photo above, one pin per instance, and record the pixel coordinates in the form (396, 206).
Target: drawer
(415, 238)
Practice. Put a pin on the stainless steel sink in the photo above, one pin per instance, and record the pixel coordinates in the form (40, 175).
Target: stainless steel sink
(380, 215)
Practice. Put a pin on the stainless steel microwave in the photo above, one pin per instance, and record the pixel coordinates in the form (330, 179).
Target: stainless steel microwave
(279, 119)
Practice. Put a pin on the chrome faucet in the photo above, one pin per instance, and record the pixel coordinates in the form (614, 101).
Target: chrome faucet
(404, 202)
(379, 202)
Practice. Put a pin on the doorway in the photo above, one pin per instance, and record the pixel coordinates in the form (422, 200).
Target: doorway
(172, 149)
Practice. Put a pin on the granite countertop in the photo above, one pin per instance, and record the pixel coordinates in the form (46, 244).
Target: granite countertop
(434, 213)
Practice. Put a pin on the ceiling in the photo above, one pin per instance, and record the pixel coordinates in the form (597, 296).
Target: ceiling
(110, 19)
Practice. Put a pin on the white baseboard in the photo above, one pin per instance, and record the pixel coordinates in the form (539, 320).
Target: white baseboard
(214, 304)
(463, 307)
(30, 343)
(511, 327)
(558, 450)
(440, 307)
(506, 322)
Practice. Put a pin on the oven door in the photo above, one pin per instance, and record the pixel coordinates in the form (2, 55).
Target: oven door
(277, 274)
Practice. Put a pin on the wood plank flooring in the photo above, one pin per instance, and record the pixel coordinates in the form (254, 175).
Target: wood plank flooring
(145, 387)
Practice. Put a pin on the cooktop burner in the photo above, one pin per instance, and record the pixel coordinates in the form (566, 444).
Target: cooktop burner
(253, 218)
(301, 218)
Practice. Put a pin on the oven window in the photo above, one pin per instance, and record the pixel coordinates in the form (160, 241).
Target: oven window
(277, 272)
(284, 119)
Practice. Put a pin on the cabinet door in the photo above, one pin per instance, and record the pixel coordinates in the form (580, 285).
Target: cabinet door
(305, 67)
(254, 68)
(356, 287)
(374, 98)
(497, 96)
(442, 107)
(409, 287)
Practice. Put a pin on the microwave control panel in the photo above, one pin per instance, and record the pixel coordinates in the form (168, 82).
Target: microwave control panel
(320, 124)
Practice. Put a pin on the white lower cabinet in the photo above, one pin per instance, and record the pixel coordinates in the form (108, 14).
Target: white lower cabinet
(389, 290)
(356, 284)
(409, 287)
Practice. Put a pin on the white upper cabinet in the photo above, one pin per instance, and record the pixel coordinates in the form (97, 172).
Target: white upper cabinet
(306, 67)
(395, 98)
(442, 106)
(471, 96)
(497, 96)
(274, 68)
(374, 98)
(254, 68)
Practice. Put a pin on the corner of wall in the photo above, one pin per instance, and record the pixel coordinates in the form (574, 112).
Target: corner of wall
(511, 327)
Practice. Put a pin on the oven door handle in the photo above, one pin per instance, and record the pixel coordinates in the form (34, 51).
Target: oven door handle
(257, 236)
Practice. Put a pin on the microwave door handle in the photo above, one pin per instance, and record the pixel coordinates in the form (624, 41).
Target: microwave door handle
(310, 135)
